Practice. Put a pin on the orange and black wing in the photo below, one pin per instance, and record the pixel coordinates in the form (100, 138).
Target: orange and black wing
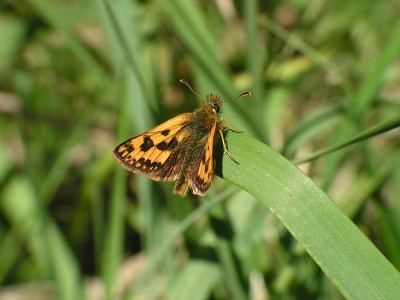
(156, 152)
(201, 172)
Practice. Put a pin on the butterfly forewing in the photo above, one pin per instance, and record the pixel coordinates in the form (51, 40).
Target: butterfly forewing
(155, 153)
(201, 175)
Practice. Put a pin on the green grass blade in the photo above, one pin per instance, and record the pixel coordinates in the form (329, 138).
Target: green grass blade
(310, 127)
(223, 230)
(373, 80)
(64, 265)
(363, 97)
(188, 281)
(366, 186)
(255, 58)
(64, 25)
(193, 28)
(342, 251)
(43, 238)
(157, 256)
(368, 133)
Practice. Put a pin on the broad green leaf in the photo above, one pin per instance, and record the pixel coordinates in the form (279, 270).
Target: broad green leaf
(343, 252)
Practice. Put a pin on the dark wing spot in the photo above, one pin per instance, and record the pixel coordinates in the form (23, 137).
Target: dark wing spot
(126, 147)
(129, 147)
(207, 163)
(147, 144)
(162, 146)
(148, 164)
(167, 146)
(172, 144)
(165, 132)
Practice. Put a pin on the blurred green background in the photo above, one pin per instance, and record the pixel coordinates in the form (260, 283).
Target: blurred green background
(79, 77)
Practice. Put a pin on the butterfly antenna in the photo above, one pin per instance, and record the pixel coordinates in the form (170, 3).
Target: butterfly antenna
(191, 89)
(244, 94)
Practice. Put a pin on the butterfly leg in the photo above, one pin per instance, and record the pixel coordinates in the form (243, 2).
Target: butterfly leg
(225, 148)
(230, 125)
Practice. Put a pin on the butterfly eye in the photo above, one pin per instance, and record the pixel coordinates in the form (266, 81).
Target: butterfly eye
(215, 108)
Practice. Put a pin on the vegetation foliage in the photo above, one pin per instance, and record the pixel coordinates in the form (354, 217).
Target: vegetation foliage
(79, 77)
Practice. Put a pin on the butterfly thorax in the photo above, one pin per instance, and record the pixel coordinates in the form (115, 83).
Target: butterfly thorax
(205, 117)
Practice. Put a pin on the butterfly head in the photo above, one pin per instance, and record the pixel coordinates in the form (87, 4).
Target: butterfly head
(213, 102)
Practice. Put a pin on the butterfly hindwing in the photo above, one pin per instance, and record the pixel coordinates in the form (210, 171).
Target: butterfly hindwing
(156, 153)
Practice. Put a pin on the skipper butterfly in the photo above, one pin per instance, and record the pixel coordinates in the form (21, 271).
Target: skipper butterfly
(180, 149)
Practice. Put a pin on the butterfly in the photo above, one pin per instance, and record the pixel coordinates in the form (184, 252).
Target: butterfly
(180, 149)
